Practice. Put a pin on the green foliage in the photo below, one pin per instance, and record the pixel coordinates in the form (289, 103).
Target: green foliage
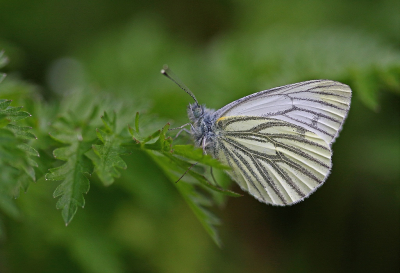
(72, 173)
(82, 105)
(106, 157)
(16, 163)
(17, 167)
(196, 190)
(86, 146)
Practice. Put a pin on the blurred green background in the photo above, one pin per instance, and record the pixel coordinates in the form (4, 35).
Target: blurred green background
(222, 50)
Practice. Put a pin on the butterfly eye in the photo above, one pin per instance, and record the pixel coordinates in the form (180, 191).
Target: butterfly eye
(198, 111)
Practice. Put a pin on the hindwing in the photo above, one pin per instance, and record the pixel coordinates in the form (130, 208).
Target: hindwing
(276, 161)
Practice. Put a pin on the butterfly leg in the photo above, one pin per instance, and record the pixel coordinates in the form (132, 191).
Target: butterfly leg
(182, 129)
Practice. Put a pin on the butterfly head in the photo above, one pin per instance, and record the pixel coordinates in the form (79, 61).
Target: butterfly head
(195, 111)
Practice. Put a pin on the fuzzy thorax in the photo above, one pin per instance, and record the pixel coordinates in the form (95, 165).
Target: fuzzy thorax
(203, 129)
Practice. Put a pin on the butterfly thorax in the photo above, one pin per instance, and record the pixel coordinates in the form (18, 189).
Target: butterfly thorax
(203, 131)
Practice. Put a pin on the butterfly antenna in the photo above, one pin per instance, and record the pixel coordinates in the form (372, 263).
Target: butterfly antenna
(166, 71)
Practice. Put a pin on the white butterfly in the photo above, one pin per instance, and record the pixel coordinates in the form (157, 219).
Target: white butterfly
(278, 141)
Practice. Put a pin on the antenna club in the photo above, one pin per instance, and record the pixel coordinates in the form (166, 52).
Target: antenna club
(164, 69)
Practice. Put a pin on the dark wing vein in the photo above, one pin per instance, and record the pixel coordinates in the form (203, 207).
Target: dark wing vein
(276, 167)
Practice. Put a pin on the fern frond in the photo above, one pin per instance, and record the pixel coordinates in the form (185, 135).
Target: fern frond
(16, 164)
(106, 157)
(77, 165)
(175, 160)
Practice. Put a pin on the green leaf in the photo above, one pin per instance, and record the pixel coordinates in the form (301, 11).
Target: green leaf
(65, 137)
(139, 136)
(4, 104)
(196, 154)
(76, 133)
(12, 113)
(15, 116)
(197, 200)
(21, 131)
(110, 124)
(201, 178)
(174, 160)
(16, 166)
(163, 143)
(75, 183)
(31, 151)
(106, 157)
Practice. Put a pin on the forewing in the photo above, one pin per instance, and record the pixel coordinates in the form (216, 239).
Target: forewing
(276, 161)
(319, 106)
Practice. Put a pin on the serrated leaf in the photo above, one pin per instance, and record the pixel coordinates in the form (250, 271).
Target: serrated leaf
(12, 110)
(15, 116)
(30, 150)
(138, 136)
(106, 157)
(21, 131)
(31, 174)
(148, 138)
(63, 153)
(106, 161)
(75, 183)
(101, 135)
(12, 113)
(110, 124)
(32, 162)
(14, 128)
(17, 167)
(58, 173)
(163, 143)
(65, 137)
(78, 135)
(4, 104)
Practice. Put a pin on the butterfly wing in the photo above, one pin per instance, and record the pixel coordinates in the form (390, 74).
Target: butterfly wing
(276, 161)
(319, 106)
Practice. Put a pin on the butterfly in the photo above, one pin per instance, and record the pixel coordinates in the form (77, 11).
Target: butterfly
(276, 142)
